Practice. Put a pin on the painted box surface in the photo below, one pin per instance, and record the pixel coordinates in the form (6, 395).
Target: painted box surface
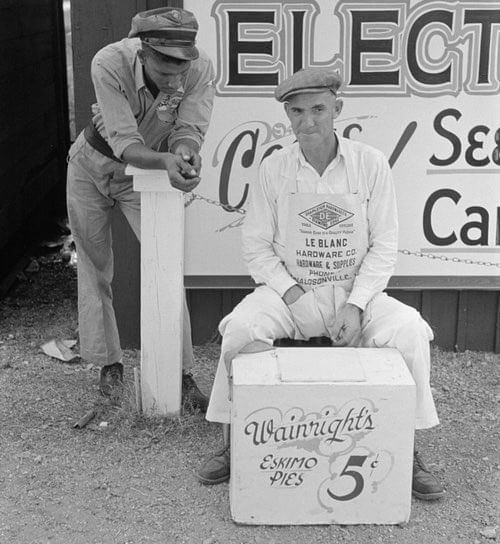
(321, 436)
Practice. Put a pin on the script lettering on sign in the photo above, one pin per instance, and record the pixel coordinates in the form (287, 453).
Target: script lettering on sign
(295, 442)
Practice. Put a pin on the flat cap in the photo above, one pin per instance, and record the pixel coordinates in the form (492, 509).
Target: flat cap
(170, 31)
(308, 80)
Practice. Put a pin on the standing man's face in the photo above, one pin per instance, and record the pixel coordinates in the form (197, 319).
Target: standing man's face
(167, 76)
(312, 115)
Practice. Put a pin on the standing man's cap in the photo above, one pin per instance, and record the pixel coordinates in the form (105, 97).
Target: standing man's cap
(308, 80)
(170, 31)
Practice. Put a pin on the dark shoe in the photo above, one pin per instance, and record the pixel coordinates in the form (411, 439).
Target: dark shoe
(111, 379)
(192, 397)
(425, 485)
(216, 469)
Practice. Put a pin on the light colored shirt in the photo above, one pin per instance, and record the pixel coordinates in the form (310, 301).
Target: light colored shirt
(127, 113)
(264, 229)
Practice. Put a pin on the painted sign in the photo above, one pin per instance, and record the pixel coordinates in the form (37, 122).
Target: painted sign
(421, 83)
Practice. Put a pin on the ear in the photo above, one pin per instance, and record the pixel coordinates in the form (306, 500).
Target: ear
(286, 105)
(142, 56)
(339, 103)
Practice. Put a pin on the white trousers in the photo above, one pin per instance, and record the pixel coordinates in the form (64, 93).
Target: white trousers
(262, 317)
(94, 185)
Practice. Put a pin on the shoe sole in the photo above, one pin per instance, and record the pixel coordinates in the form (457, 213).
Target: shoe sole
(220, 480)
(428, 496)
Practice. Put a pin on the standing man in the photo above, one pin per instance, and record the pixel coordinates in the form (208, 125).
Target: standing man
(154, 95)
(343, 190)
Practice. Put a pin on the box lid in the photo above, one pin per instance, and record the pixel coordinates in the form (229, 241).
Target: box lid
(295, 365)
(370, 366)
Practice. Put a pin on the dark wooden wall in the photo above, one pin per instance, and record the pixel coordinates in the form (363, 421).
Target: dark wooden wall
(34, 133)
(460, 319)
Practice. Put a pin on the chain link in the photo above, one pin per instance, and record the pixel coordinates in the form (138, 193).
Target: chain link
(445, 258)
(196, 196)
(242, 211)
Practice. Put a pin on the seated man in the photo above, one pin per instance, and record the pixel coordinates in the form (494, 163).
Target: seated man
(320, 238)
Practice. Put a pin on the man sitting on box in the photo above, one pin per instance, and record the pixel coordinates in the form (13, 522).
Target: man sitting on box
(320, 237)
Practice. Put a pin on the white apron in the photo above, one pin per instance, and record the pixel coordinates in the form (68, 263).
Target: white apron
(326, 235)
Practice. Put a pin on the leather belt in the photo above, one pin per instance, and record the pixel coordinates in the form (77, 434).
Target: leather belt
(95, 139)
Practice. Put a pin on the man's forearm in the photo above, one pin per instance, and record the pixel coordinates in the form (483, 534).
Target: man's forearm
(143, 157)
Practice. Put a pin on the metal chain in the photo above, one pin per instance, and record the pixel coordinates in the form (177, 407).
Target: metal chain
(242, 211)
(445, 258)
(195, 196)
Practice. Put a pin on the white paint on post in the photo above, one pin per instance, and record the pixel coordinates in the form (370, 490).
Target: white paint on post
(162, 290)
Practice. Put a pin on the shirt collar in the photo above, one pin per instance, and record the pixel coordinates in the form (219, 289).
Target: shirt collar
(138, 74)
(340, 153)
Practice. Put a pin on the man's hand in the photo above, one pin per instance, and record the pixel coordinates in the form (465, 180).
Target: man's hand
(182, 174)
(293, 294)
(189, 154)
(347, 328)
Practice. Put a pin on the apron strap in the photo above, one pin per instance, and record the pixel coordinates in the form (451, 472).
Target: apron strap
(351, 170)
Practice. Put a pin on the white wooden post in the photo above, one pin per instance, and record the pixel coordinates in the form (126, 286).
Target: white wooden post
(162, 290)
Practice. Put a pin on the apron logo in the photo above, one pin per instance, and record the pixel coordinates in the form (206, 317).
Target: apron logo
(326, 215)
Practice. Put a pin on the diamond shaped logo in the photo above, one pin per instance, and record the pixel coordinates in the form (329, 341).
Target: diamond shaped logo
(326, 215)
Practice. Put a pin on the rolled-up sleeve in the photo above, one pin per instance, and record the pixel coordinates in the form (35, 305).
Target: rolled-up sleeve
(380, 260)
(118, 119)
(258, 233)
(195, 109)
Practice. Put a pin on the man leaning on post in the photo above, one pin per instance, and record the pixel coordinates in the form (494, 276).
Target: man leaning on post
(322, 169)
(154, 96)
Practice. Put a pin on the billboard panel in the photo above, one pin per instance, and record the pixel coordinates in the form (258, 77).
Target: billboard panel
(421, 83)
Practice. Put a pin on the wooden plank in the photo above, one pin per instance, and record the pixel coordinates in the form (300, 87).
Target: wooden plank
(491, 281)
(426, 306)
(94, 24)
(442, 316)
(411, 298)
(127, 281)
(162, 296)
(461, 336)
(497, 326)
(61, 86)
(416, 283)
(206, 312)
(482, 308)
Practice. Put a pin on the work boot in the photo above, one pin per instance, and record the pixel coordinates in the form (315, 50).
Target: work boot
(192, 397)
(217, 468)
(425, 485)
(111, 378)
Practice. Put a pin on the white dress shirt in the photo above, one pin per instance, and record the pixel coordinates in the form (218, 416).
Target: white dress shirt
(264, 229)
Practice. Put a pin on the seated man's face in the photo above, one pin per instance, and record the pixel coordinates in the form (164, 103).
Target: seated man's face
(167, 76)
(312, 115)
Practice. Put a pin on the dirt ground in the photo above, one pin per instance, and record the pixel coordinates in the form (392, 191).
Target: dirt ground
(128, 479)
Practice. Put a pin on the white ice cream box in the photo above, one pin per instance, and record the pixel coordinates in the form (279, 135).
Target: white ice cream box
(321, 436)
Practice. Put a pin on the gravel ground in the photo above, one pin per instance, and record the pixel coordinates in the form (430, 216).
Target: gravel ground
(129, 479)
